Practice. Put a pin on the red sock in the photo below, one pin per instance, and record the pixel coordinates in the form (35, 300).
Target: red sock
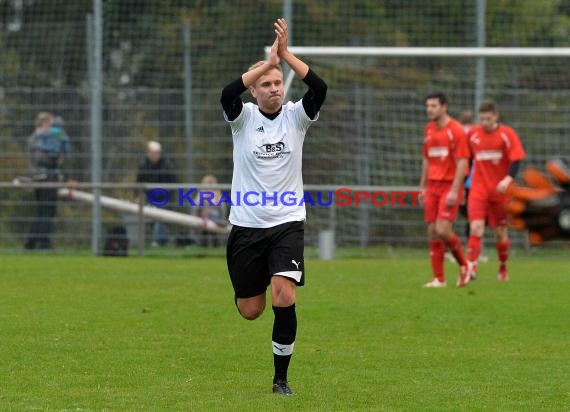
(503, 251)
(454, 245)
(473, 248)
(436, 252)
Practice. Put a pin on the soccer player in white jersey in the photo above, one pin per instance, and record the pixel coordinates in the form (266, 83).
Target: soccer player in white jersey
(266, 244)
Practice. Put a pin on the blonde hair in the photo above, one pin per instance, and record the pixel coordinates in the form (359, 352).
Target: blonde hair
(43, 117)
(154, 146)
(261, 62)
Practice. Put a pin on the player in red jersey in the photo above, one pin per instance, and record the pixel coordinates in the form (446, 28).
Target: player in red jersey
(444, 164)
(497, 153)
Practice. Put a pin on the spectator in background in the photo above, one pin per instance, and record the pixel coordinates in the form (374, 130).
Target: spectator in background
(47, 148)
(154, 168)
(206, 200)
(467, 118)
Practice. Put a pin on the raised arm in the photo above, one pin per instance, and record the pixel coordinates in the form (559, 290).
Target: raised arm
(315, 96)
(299, 67)
(230, 100)
(249, 78)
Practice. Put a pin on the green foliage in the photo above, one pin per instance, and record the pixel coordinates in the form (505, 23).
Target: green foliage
(153, 53)
(527, 22)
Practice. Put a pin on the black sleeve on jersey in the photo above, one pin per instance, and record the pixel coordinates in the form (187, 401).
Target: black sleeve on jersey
(514, 169)
(230, 99)
(315, 96)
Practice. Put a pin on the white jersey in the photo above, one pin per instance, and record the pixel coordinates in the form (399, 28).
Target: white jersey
(267, 182)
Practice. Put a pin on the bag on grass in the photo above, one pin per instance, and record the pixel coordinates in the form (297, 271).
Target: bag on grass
(116, 242)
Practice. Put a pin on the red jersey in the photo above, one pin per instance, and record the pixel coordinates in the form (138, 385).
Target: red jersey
(493, 153)
(443, 148)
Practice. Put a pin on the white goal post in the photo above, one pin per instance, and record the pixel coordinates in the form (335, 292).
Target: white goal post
(423, 52)
(430, 51)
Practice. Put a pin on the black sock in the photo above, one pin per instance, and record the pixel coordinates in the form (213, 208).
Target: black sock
(284, 332)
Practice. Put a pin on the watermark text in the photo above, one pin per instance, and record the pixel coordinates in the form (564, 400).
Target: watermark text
(342, 197)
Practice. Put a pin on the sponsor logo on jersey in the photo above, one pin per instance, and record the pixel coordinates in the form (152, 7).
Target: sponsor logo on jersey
(493, 155)
(260, 129)
(441, 151)
(271, 151)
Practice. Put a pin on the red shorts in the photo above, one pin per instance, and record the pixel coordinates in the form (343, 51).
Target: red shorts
(489, 208)
(434, 208)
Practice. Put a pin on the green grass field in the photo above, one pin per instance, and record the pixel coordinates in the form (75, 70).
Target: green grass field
(153, 334)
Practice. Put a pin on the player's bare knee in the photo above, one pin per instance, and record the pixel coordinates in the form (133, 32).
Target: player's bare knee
(284, 299)
(432, 233)
(501, 234)
(251, 315)
(251, 308)
(251, 312)
(477, 228)
(283, 293)
(443, 230)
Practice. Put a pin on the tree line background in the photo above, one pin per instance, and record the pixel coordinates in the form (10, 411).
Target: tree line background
(370, 126)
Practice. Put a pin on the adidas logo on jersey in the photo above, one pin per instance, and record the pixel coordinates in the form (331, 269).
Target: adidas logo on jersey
(260, 129)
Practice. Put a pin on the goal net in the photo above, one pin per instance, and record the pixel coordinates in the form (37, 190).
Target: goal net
(372, 123)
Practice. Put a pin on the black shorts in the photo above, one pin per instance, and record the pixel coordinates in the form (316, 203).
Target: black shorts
(254, 255)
